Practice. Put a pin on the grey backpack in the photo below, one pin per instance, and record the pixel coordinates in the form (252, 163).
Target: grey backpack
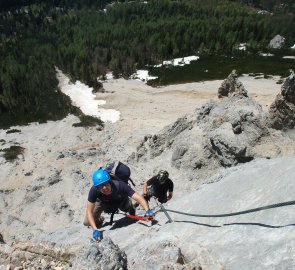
(120, 171)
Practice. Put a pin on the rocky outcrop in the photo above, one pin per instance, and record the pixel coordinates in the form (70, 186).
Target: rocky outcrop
(231, 86)
(167, 255)
(153, 145)
(233, 127)
(221, 133)
(277, 42)
(282, 110)
(34, 256)
(104, 255)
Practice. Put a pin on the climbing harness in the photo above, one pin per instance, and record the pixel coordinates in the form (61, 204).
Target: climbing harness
(112, 216)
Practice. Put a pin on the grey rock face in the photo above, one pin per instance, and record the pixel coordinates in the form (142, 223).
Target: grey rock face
(178, 155)
(231, 86)
(28, 255)
(205, 110)
(165, 249)
(234, 126)
(165, 255)
(193, 156)
(288, 88)
(277, 42)
(221, 134)
(262, 182)
(1, 239)
(45, 255)
(225, 133)
(55, 178)
(104, 255)
(282, 110)
(153, 146)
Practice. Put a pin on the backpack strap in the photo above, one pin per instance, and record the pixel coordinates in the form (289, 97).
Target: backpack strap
(116, 183)
(112, 217)
(116, 164)
(131, 181)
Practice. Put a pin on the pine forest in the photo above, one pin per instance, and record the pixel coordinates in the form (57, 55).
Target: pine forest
(86, 39)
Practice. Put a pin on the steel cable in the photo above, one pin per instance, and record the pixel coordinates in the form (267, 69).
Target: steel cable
(235, 213)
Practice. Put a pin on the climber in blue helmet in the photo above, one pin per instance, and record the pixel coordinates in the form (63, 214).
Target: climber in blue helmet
(109, 195)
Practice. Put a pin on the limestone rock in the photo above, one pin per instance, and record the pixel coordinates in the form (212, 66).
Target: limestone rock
(104, 255)
(282, 110)
(277, 42)
(178, 155)
(1, 239)
(222, 133)
(166, 255)
(153, 146)
(28, 255)
(234, 126)
(231, 86)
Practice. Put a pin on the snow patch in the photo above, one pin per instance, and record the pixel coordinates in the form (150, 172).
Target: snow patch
(142, 75)
(179, 61)
(242, 47)
(288, 57)
(109, 76)
(82, 97)
(266, 54)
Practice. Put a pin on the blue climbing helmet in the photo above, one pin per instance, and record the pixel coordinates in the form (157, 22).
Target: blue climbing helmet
(100, 176)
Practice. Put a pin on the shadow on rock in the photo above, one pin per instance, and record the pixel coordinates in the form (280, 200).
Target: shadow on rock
(236, 223)
(122, 222)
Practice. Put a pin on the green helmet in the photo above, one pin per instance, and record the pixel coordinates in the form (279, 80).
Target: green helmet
(162, 176)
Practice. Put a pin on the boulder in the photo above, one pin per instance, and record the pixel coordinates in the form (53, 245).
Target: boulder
(234, 126)
(231, 86)
(103, 255)
(282, 110)
(277, 42)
